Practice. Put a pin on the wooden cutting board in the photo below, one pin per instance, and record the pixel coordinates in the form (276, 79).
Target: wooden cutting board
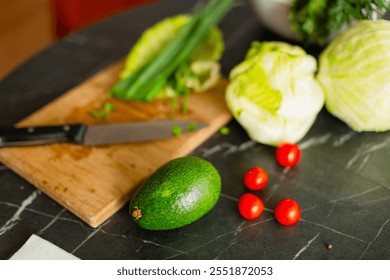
(95, 182)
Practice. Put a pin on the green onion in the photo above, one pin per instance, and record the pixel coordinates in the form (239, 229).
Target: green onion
(176, 130)
(104, 112)
(147, 82)
(224, 131)
(192, 127)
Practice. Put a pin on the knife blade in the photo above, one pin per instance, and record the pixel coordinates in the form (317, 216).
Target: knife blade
(94, 135)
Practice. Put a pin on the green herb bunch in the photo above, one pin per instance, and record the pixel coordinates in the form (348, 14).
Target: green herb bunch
(315, 20)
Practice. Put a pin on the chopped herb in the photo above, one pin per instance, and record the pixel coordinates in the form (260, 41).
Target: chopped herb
(104, 112)
(316, 20)
(224, 131)
(177, 130)
(191, 127)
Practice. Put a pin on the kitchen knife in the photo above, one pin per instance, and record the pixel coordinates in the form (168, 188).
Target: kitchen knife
(91, 135)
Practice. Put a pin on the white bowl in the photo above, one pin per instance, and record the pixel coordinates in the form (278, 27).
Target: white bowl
(274, 14)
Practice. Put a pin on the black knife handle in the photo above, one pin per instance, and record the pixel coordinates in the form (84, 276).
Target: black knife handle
(38, 135)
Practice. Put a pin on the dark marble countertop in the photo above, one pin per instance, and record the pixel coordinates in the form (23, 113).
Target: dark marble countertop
(342, 181)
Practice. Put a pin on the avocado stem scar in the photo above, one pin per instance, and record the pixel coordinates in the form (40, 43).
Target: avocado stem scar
(137, 213)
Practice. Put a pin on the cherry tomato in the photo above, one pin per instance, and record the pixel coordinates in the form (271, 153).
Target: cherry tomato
(288, 154)
(255, 178)
(287, 212)
(250, 206)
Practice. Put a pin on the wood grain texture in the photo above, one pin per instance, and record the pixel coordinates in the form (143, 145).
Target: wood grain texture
(95, 182)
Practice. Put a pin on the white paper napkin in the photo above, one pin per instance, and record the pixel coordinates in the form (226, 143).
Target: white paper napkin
(37, 248)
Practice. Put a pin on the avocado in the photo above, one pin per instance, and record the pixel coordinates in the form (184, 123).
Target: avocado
(176, 194)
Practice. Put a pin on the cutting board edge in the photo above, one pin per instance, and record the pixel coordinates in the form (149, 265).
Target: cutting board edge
(113, 207)
(23, 173)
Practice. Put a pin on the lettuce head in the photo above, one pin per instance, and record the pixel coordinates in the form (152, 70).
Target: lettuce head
(273, 93)
(354, 72)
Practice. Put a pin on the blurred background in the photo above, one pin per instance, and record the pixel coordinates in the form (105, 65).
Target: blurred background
(28, 26)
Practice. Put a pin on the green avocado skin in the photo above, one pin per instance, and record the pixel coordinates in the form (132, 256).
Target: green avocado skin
(178, 193)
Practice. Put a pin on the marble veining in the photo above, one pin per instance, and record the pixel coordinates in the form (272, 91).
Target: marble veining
(16, 217)
(376, 236)
(304, 248)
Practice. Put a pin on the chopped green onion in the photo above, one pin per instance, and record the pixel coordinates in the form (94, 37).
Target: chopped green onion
(176, 130)
(192, 127)
(104, 112)
(147, 82)
(224, 131)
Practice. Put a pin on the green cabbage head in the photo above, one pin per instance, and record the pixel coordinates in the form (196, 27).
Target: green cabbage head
(273, 93)
(354, 72)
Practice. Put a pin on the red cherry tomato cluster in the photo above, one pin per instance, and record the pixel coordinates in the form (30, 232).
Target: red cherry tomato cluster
(287, 211)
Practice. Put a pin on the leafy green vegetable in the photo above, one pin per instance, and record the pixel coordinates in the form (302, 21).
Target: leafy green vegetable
(354, 72)
(316, 20)
(159, 63)
(273, 93)
(157, 37)
(151, 42)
